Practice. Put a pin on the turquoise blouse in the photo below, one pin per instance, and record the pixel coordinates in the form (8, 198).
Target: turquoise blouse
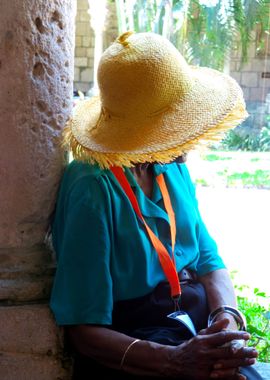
(103, 251)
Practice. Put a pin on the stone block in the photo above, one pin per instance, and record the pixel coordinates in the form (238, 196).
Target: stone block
(76, 74)
(82, 4)
(84, 16)
(33, 367)
(246, 93)
(25, 289)
(29, 329)
(260, 65)
(90, 52)
(82, 86)
(80, 61)
(249, 79)
(87, 75)
(90, 62)
(236, 75)
(245, 66)
(82, 28)
(256, 94)
(80, 52)
(78, 41)
(26, 274)
(86, 41)
(264, 82)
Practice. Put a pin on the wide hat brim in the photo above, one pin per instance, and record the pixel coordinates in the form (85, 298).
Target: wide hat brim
(213, 105)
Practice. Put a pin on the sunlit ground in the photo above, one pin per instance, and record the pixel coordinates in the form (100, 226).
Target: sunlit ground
(239, 220)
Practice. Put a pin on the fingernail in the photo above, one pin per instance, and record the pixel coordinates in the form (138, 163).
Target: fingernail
(251, 361)
(234, 350)
(246, 335)
(218, 366)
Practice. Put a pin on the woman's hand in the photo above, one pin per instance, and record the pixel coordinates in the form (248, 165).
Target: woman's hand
(241, 356)
(208, 356)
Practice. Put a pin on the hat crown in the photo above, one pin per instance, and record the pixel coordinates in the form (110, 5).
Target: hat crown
(142, 74)
(152, 105)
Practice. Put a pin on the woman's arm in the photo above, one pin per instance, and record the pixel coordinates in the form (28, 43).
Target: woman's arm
(193, 359)
(107, 347)
(220, 291)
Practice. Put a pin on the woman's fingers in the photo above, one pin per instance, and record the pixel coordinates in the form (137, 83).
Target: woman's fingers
(225, 336)
(227, 374)
(216, 327)
(227, 353)
(234, 363)
(237, 345)
(223, 373)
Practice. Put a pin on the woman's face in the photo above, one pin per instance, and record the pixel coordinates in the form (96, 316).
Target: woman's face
(180, 159)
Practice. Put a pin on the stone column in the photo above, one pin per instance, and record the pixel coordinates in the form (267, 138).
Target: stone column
(36, 79)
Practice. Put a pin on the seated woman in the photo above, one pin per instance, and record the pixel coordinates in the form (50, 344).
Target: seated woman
(140, 287)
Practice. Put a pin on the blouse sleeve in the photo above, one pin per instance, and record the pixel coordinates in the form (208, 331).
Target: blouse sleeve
(209, 259)
(82, 290)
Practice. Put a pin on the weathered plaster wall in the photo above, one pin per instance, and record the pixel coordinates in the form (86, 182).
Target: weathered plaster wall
(36, 71)
(36, 79)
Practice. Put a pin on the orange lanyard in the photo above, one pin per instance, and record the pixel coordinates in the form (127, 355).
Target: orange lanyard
(167, 263)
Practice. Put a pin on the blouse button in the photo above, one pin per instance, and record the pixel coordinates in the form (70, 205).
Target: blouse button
(178, 252)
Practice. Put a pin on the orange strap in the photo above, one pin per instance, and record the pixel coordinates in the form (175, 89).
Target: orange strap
(167, 263)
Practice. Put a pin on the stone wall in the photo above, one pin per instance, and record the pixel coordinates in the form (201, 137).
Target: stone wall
(254, 79)
(36, 77)
(249, 76)
(85, 42)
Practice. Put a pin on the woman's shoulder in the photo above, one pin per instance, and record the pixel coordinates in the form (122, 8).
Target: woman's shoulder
(80, 178)
(182, 168)
(78, 169)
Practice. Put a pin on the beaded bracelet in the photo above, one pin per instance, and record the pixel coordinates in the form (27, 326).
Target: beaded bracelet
(125, 353)
(238, 316)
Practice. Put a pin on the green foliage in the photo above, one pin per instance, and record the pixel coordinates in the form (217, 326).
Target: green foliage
(249, 143)
(215, 157)
(201, 182)
(205, 34)
(233, 169)
(257, 313)
(259, 179)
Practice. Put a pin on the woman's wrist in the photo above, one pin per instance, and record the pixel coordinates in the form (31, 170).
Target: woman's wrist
(146, 358)
(232, 324)
(230, 312)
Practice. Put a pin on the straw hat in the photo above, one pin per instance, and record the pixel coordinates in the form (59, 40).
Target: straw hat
(152, 106)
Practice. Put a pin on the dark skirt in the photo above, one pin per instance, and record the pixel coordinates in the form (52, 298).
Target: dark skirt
(146, 318)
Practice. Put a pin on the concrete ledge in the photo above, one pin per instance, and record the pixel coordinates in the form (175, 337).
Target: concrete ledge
(32, 367)
(263, 369)
(31, 345)
(26, 274)
(29, 329)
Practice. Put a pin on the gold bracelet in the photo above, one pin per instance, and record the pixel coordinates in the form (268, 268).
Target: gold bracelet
(125, 353)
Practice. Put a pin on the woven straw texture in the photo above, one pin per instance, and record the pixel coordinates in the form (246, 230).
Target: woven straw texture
(152, 105)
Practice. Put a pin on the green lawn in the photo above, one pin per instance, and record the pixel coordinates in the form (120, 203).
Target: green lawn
(231, 169)
(239, 170)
